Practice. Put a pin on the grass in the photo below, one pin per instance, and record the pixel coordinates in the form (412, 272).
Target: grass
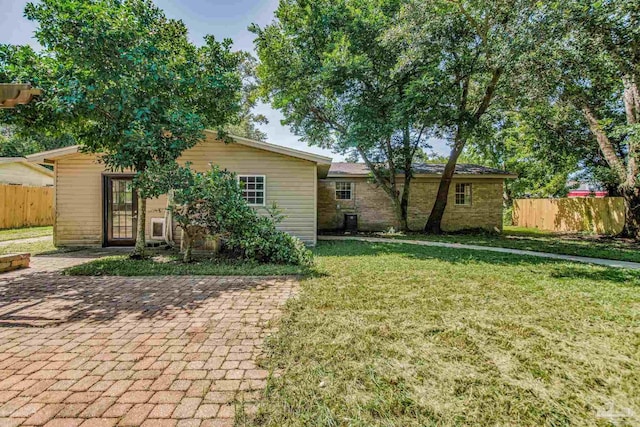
(34, 248)
(25, 233)
(403, 335)
(541, 241)
(169, 263)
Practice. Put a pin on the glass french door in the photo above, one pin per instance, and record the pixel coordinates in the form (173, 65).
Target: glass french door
(121, 211)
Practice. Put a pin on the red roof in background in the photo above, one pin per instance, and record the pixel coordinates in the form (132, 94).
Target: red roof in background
(587, 193)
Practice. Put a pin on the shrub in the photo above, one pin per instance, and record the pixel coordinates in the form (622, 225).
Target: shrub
(213, 200)
(261, 241)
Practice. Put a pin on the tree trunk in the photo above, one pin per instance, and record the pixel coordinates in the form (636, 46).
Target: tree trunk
(141, 243)
(400, 206)
(434, 223)
(404, 209)
(631, 198)
(188, 247)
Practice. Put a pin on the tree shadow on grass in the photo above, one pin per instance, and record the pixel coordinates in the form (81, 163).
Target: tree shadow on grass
(52, 299)
(487, 259)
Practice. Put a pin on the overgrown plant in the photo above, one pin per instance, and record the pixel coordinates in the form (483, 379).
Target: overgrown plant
(211, 203)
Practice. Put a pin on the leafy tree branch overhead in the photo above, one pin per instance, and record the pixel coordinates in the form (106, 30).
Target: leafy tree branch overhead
(126, 82)
(589, 61)
(326, 66)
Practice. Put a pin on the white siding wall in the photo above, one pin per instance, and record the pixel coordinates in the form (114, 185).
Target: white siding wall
(19, 173)
(291, 183)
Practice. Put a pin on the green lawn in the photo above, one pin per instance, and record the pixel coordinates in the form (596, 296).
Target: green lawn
(25, 233)
(34, 248)
(541, 241)
(402, 335)
(170, 264)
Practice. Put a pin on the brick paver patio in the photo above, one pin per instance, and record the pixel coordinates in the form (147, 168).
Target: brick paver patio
(169, 351)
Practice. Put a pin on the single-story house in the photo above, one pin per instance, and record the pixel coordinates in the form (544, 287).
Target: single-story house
(94, 207)
(475, 198)
(18, 171)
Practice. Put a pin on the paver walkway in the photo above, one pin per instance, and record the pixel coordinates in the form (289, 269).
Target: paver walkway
(162, 351)
(587, 260)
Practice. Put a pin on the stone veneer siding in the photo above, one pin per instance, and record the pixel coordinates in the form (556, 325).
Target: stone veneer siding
(375, 213)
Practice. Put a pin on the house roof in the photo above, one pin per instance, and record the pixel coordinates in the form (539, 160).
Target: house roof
(345, 170)
(323, 162)
(23, 160)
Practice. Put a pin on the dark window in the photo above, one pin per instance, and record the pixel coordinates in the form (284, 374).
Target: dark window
(253, 189)
(463, 194)
(344, 190)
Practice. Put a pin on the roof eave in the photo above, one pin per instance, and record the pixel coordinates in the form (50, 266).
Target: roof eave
(23, 160)
(278, 149)
(431, 175)
(324, 163)
(51, 155)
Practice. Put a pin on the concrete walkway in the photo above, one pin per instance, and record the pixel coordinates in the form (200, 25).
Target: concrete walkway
(586, 260)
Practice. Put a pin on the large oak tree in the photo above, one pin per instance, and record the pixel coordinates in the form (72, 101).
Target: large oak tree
(590, 60)
(478, 46)
(326, 65)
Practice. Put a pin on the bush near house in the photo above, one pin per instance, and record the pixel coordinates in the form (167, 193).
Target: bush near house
(212, 203)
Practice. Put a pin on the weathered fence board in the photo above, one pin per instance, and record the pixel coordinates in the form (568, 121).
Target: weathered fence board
(22, 206)
(596, 215)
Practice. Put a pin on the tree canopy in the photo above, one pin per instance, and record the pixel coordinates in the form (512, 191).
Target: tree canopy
(126, 82)
(588, 61)
(326, 66)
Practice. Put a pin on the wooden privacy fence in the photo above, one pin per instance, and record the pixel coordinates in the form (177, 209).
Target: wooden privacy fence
(596, 215)
(22, 206)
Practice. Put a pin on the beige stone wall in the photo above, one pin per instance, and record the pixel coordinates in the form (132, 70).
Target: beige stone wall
(375, 212)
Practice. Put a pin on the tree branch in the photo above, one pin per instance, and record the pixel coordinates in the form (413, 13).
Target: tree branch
(606, 147)
(488, 94)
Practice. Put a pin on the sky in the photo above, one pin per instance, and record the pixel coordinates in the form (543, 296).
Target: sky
(221, 18)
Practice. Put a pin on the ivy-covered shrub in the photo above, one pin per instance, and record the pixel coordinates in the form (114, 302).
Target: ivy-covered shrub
(213, 200)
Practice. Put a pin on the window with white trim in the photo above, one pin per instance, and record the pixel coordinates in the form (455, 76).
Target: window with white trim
(344, 190)
(463, 194)
(253, 189)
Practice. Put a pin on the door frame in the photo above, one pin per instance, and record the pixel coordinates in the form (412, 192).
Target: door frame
(106, 178)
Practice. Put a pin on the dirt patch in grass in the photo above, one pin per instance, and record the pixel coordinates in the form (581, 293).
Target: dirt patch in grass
(401, 335)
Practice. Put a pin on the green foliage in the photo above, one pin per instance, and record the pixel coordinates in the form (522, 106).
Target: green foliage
(13, 144)
(588, 60)
(542, 144)
(467, 54)
(246, 125)
(126, 82)
(326, 66)
(142, 93)
(213, 202)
